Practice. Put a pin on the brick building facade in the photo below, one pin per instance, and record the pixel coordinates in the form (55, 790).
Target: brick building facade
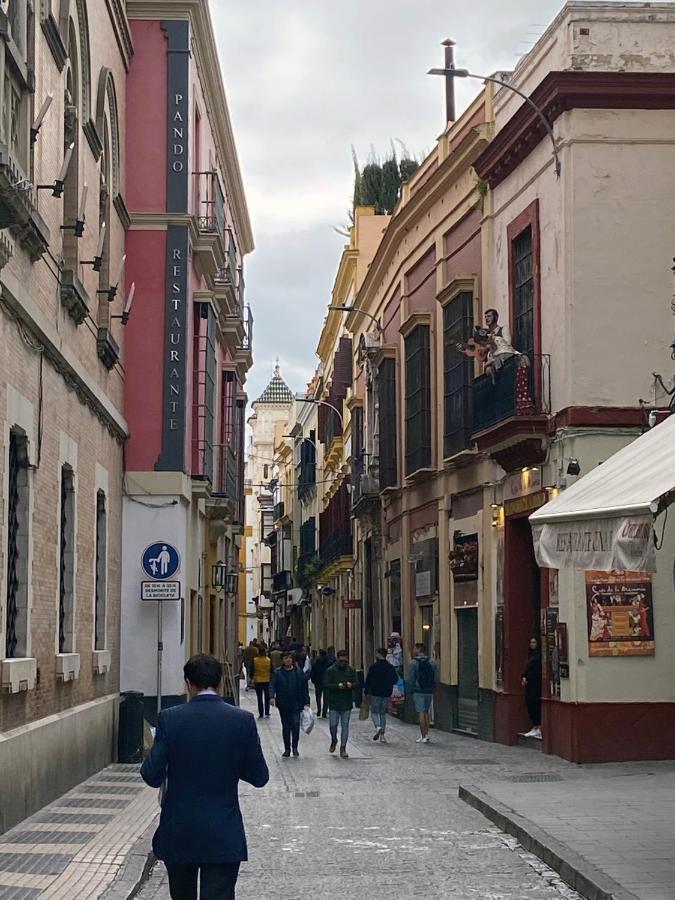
(63, 217)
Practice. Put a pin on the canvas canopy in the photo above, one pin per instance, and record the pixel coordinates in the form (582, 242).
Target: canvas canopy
(606, 520)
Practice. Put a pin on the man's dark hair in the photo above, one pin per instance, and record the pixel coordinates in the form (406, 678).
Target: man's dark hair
(204, 671)
(288, 653)
(322, 653)
(331, 648)
(421, 647)
(381, 652)
(343, 653)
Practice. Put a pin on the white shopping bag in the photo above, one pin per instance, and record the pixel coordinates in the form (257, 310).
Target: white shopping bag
(307, 720)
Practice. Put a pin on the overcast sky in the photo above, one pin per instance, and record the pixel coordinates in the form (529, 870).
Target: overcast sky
(306, 79)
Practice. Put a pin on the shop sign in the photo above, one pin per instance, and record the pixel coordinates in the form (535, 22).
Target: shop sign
(620, 614)
(464, 557)
(525, 504)
(529, 481)
(178, 113)
(175, 351)
(423, 584)
(596, 544)
(351, 604)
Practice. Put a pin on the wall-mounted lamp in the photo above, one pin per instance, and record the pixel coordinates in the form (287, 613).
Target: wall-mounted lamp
(37, 124)
(111, 292)
(57, 186)
(126, 312)
(573, 467)
(78, 227)
(97, 261)
(223, 579)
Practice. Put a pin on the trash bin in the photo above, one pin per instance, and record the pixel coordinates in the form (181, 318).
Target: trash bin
(130, 733)
(358, 687)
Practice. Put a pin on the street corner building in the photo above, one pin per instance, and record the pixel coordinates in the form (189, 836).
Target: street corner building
(492, 351)
(62, 237)
(188, 347)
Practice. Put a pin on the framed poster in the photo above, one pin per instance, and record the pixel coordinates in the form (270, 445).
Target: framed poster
(620, 614)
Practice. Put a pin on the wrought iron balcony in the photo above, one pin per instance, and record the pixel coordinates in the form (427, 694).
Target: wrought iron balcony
(335, 545)
(279, 511)
(514, 408)
(211, 218)
(18, 206)
(517, 391)
(365, 482)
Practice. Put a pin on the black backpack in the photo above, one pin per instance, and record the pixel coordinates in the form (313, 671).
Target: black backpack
(425, 676)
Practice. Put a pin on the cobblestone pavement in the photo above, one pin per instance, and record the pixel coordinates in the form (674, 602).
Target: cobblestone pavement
(386, 822)
(74, 848)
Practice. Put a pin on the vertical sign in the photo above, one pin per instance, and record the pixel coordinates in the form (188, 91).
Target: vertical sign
(178, 113)
(172, 458)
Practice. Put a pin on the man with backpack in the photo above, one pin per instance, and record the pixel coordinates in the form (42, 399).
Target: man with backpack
(421, 681)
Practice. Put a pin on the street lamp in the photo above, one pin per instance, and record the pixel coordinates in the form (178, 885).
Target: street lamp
(300, 398)
(351, 309)
(464, 73)
(224, 579)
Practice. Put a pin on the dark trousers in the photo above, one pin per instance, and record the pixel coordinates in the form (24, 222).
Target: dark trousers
(533, 702)
(290, 727)
(263, 693)
(216, 882)
(320, 693)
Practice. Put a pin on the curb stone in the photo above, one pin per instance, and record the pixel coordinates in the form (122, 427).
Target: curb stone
(577, 872)
(136, 869)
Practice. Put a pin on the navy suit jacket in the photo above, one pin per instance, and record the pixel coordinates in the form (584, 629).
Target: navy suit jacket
(203, 748)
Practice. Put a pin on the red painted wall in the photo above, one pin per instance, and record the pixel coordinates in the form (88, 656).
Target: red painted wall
(146, 119)
(144, 344)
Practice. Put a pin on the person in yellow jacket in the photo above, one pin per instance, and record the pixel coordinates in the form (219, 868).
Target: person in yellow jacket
(262, 675)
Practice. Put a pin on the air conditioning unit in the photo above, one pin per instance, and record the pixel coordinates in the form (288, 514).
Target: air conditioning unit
(18, 675)
(100, 661)
(67, 666)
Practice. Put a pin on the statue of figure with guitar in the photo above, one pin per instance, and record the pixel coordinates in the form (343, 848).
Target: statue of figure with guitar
(491, 345)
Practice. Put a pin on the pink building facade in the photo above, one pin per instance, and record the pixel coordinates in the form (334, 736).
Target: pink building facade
(188, 344)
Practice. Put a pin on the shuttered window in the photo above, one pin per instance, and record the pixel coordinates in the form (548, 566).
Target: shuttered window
(417, 400)
(386, 400)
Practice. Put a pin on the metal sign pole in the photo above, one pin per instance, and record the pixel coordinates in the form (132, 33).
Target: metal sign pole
(159, 658)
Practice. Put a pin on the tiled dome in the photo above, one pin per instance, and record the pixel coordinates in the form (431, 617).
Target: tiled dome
(277, 391)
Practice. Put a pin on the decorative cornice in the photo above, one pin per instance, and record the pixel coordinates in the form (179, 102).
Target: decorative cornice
(93, 138)
(412, 321)
(563, 91)
(122, 211)
(208, 65)
(121, 28)
(50, 29)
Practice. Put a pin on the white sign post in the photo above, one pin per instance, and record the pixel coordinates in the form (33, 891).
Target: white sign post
(160, 561)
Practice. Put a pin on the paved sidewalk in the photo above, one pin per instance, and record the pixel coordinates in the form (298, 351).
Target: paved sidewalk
(614, 824)
(74, 848)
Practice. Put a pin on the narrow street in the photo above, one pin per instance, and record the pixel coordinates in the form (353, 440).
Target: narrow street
(386, 822)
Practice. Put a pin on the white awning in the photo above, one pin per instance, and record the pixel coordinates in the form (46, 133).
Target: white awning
(605, 520)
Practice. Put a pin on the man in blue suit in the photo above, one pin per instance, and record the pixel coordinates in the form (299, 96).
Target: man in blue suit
(203, 749)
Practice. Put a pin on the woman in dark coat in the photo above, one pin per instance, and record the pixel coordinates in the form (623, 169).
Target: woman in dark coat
(531, 681)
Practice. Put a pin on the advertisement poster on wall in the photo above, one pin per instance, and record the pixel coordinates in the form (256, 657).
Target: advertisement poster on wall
(620, 614)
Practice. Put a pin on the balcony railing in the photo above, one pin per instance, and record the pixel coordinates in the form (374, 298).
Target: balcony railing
(365, 479)
(516, 391)
(229, 473)
(228, 274)
(18, 209)
(282, 581)
(337, 544)
(211, 217)
(247, 340)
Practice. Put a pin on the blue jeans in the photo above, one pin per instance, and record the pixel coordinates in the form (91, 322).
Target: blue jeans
(341, 717)
(378, 710)
(290, 727)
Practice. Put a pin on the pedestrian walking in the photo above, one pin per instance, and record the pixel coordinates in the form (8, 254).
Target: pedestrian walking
(262, 677)
(422, 678)
(249, 655)
(380, 682)
(303, 661)
(339, 684)
(202, 749)
(330, 653)
(531, 681)
(290, 693)
(275, 656)
(317, 675)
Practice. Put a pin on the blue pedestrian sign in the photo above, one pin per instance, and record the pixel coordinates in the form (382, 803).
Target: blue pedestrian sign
(160, 561)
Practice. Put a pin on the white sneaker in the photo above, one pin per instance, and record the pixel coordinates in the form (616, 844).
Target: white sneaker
(426, 740)
(383, 739)
(531, 733)
(419, 740)
(536, 733)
